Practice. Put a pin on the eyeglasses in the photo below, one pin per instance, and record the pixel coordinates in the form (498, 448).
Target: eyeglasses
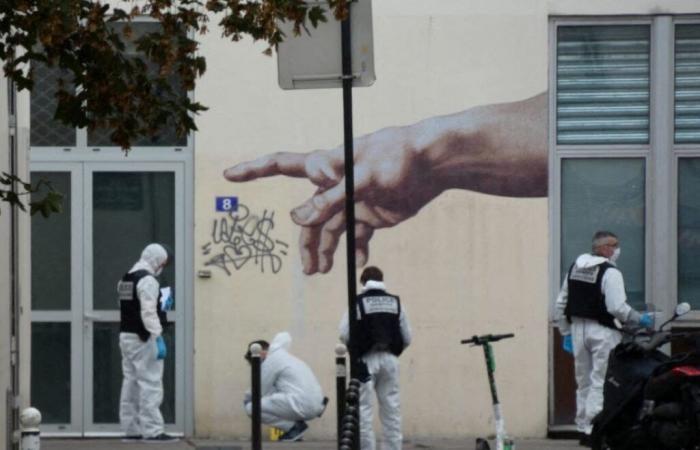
(613, 245)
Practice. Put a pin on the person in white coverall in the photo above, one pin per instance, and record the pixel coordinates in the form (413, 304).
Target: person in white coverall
(380, 335)
(142, 347)
(591, 298)
(290, 393)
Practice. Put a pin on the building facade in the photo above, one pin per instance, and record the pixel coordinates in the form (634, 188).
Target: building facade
(496, 139)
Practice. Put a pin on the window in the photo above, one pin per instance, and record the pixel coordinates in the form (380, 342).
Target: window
(625, 150)
(603, 85)
(47, 132)
(605, 194)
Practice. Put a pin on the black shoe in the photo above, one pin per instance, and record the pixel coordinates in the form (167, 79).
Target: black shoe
(585, 440)
(161, 438)
(295, 433)
(482, 444)
(325, 403)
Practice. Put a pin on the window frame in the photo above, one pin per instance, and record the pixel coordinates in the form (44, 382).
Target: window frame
(662, 158)
(558, 152)
(661, 155)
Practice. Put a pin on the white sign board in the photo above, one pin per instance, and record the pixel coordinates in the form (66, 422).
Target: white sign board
(315, 61)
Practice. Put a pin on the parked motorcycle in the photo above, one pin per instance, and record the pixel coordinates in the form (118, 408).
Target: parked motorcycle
(651, 400)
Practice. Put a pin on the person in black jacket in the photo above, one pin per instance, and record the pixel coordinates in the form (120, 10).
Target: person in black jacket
(142, 347)
(592, 297)
(380, 334)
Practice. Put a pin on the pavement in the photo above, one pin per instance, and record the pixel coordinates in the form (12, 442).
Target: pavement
(203, 444)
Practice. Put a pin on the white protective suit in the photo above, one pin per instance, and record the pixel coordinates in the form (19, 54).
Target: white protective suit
(142, 387)
(592, 342)
(289, 389)
(384, 370)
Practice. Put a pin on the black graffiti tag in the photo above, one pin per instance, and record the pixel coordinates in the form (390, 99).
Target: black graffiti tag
(241, 237)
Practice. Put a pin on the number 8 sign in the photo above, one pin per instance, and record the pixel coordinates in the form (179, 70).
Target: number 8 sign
(226, 204)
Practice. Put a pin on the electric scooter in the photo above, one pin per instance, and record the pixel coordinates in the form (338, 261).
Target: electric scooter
(502, 441)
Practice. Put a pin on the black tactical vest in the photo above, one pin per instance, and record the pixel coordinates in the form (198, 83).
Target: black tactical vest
(130, 305)
(586, 298)
(377, 327)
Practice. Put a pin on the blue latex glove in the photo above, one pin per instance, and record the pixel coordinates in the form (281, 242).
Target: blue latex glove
(568, 344)
(646, 321)
(160, 345)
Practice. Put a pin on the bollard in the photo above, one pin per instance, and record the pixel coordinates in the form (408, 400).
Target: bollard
(354, 387)
(30, 420)
(349, 426)
(341, 376)
(256, 432)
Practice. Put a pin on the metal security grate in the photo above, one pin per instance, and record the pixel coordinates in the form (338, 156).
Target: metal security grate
(166, 135)
(45, 131)
(687, 84)
(603, 84)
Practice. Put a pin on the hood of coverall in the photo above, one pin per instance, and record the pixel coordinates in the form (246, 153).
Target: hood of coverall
(373, 284)
(587, 260)
(152, 257)
(282, 341)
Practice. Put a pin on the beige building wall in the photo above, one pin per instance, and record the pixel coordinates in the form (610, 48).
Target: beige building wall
(464, 265)
(468, 263)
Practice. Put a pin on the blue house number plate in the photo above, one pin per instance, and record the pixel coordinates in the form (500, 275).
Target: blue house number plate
(226, 204)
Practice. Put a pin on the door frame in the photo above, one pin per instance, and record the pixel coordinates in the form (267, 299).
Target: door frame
(90, 315)
(74, 316)
(82, 160)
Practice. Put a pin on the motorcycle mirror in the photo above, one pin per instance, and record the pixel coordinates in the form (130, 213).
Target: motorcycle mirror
(682, 309)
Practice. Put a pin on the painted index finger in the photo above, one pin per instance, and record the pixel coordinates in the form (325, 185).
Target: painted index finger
(281, 163)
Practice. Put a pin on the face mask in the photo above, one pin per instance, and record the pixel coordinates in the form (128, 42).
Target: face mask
(615, 255)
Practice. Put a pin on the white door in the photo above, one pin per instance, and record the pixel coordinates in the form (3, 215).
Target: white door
(111, 212)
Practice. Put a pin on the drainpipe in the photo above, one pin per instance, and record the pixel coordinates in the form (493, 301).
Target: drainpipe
(13, 392)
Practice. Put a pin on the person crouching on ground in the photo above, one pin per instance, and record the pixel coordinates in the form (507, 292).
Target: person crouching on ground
(290, 393)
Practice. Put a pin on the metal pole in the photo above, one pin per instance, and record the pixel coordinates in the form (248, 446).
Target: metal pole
(497, 413)
(490, 369)
(341, 377)
(349, 173)
(349, 187)
(345, 29)
(255, 435)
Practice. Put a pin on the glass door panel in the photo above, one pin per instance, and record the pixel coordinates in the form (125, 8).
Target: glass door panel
(605, 194)
(55, 284)
(50, 248)
(129, 210)
(689, 231)
(107, 382)
(51, 371)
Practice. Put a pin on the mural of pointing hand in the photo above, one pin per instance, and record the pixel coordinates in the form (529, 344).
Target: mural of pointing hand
(495, 149)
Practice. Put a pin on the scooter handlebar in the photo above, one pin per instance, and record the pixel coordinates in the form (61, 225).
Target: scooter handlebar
(480, 340)
(663, 337)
